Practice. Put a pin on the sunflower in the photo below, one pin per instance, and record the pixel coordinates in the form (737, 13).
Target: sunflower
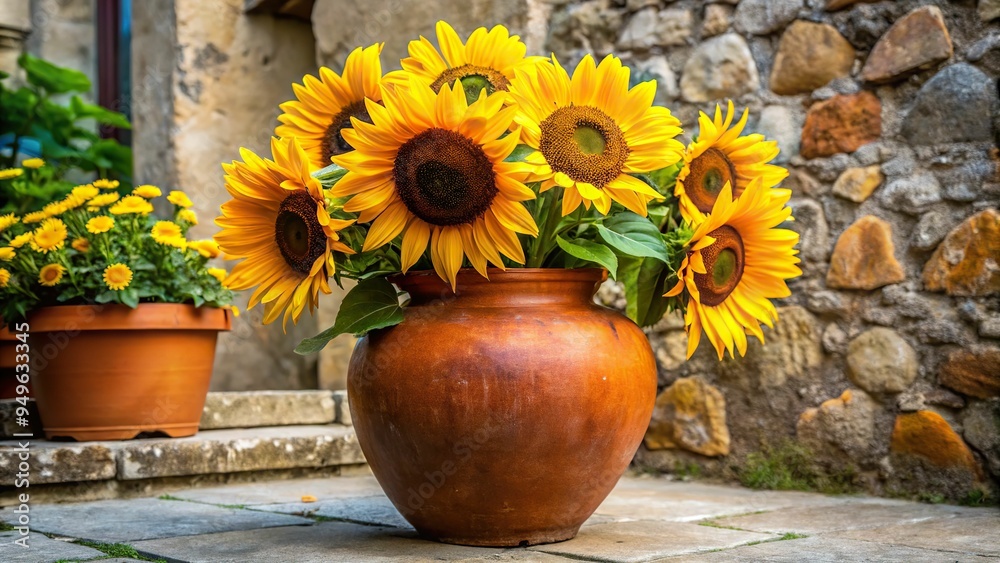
(131, 204)
(736, 263)
(720, 156)
(117, 276)
(432, 168)
(324, 106)
(591, 132)
(188, 216)
(80, 244)
(277, 222)
(51, 274)
(207, 248)
(488, 60)
(51, 235)
(21, 240)
(169, 233)
(106, 184)
(34, 217)
(102, 200)
(7, 221)
(8, 173)
(7, 253)
(33, 163)
(217, 273)
(147, 191)
(4, 277)
(100, 224)
(179, 199)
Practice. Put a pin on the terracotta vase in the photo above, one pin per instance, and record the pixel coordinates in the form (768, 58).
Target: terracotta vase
(503, 414)
(108, 372)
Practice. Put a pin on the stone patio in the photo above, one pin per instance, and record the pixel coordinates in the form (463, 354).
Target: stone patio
(644, 519)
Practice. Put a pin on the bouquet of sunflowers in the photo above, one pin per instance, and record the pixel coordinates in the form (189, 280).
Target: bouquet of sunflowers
(95, 246)
(475, 155)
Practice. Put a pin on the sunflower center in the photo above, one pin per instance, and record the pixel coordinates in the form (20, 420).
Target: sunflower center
(298, 233)
(474, 80)
(444, 178)
(709, 173)
(333, 140)
(584, 143)
(724, 260)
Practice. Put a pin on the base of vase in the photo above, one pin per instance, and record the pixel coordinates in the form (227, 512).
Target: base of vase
(120, 432)
(506, 540)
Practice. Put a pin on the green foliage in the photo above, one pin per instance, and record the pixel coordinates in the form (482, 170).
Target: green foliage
(789, 467)
(64, 133)
(370, 305)
(117, 550)
(590, 251)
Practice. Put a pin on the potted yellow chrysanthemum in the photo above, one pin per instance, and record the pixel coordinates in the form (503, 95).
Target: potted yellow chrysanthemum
(498, 405)
(111, 315)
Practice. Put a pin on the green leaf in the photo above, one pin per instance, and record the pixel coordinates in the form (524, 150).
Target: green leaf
(632, 235)
(369, 305)
(99, 114)
(130, 297)
(330, 175)
(53, 78)
(521, 152)
(644, 280)
(591, 252)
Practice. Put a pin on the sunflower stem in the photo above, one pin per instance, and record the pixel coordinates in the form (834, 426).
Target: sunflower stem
(546, 232)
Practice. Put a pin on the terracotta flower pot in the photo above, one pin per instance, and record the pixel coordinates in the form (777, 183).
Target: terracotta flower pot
(108, 372)
(502, 415)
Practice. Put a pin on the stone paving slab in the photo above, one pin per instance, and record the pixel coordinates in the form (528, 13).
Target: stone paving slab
(324, 542)
(979, 535)
(276, 492)
(59, 462)
(142, 519)
(851, 516)
(254, 409)
(375, 510)
(630, 542)
(823, 550)
(41, 549)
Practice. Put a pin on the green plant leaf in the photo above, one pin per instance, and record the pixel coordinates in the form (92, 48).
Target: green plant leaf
(644, 280)
(632, 235)
(53, 78)
(591, 252)
(369, 305)
(521, 152)
(99, 114)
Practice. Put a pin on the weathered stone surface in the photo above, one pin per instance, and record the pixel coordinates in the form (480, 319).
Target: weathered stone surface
(691, 415)
(671, 350)
(371, 510)
(911, 195)
(809, 56)
(864, 257)
(143, 519)
(930, 230)
(832, 5)
(342, 408)
(966, 262)
(335, 358)
(818, 548)
(981, 424)
(880, 361)
(227, 451)
(840, 432)
(927, 455)
(719, 68)
(42, 549)
(841, 124)
(857, 184)
(989, 9)
(716, 19)
(590, 26)
(784, 126)
(761, 17)
(658, 68)
(283, 492)
(866, 514)
(973, 372)
(253, 409)
(792, 352)
(9, 417)
(917, 41)
(58, 462)
(952, 107)
(651, 28)
(810, 223)
(973, 533)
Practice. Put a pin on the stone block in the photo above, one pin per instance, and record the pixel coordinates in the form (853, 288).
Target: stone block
(819, 549)
(912, 194)
(761, 17)
(371, 510)
(972, 537)
(917, 41)
(965, 263)
(809, 56)
(974, 372)
(42, 549)
(8, 419)
(864, 257)
(59, 462)
(857, 184)
(691, 415)
(281, 492)
(928, 457)
(840, 433)
(880, 361)
(342, 408)
(719, 68)
(952, 107)
(253, 409)
(844, 123)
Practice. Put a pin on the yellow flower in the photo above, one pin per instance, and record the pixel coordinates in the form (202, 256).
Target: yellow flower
(51, 235)
(54, 208)
(5, 277)
(34, 217)
(106, 184)
(117, 276)
(80, 244)
(33, 163)
(7, 253)
(207, 248)
(86, 191)
(737, 261)
(188, 215)
(721, 156)
(51, 274)
(100, 224)
(102, 200)
(21, 240)
(179, 198)
(73, 201)
(235, 310)
(591, 133)
(278, 224)
(217, 273)
(432, 169)
(488, 60)
(131, 204)
(8, 173)
(147, 191)
(324, 106)
(169, 233)
(7, 220)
